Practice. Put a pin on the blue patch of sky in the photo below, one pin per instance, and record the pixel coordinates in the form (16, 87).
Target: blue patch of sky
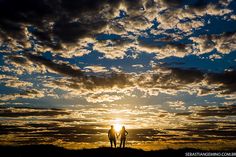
(8, 90)
(47, 55)
(203, 62)
(121, 15)
(232, 6)
(198, 3)
(1, 59)
(126, 63)
(108, 37)
(215, 25)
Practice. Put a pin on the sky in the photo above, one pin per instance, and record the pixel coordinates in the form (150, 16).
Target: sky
(163, 68)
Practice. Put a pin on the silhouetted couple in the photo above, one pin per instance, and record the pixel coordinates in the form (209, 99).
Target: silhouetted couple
(112, 135)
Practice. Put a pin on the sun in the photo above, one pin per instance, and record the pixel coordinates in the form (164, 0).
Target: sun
(117, 127)
(117, 123)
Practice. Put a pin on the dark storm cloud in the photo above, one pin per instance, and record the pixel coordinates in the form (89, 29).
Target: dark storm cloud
(25, 112)
(19, 60)
(215, 111)
(226, 80)
(199, 5)
(15, 14)
(25, 94)
(193, 75)
(173, 2)
(60, 24)
(61, 68)
(223, 43)
(56, 24)
(166, 48)
(89, 81)
(134, 4)
(145, 134)
(183, 114)
(52, 22)
(208, 130)
(6, 129)
(218, 111)
(178, 78)
(42, 133)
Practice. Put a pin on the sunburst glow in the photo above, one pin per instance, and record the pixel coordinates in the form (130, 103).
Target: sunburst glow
(117, 127)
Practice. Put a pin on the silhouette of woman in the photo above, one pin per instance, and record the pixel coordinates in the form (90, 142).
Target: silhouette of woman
(123, 133)
(112, 136)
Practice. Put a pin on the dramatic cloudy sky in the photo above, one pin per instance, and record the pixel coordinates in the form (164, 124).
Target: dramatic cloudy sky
(166, 69)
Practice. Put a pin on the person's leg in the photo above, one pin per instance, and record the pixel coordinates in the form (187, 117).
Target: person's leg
(111, 143)
(124, 142)
(120, 143)
(115, 143)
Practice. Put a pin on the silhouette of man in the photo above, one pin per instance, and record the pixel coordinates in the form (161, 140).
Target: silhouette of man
(123, 133)
(112, 136)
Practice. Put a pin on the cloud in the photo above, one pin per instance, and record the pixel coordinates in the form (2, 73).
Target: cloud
(64, 124)
(102, 98)
(223, 43)
(82, 125)
(166, 50)
(96, 68)
(61, 68)
(178, 105)
(15, 82)
(233, 17)
(160, 79)
(29, 112)
(54, 24)
(214, 112)
(18, 59)
(116, 69)
(174, 79)
(20, 65)
(61, 25)
(189, 25)
(225, 80)
(168, 81)
(171, 18)
(80, 78)
(26, 94)
(115, 48)
(69, 28)
(223, 111)
(137, 66)
(209, 131)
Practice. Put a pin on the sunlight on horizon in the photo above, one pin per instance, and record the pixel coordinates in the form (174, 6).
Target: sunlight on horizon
(118, 125)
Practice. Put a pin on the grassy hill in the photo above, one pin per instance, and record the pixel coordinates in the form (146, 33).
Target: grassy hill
(53, 151)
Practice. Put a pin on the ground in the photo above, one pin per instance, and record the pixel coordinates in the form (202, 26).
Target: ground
(53, 151)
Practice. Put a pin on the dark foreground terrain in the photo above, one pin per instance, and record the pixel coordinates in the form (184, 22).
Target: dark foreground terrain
(53, 151)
